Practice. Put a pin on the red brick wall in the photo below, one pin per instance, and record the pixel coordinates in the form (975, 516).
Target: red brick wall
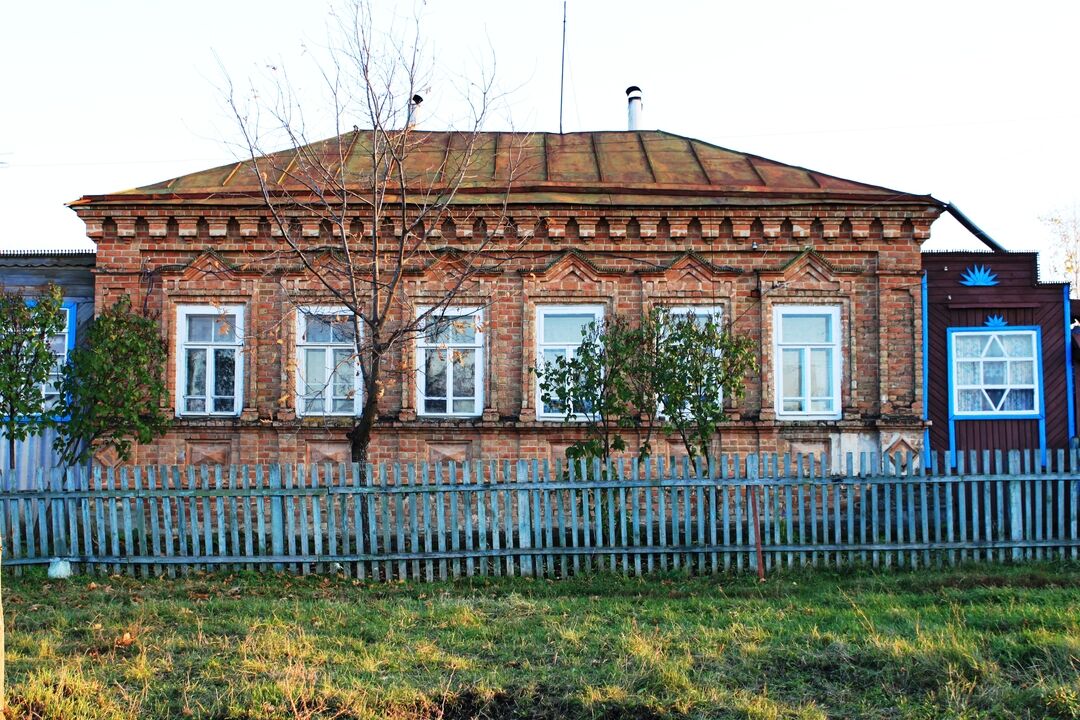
(164, 259)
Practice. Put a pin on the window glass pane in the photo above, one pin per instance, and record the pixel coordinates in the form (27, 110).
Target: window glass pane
(437, 332)
(821, 405)
(806, 328)
(1018, 346)
(551, 355)
(967, 346)
(344, 405)
(821, 372)
(701, 315)
(995, 396)
(793, 405)
(223, 404)
(994, 372)
(195, 405)
(463, 330)
(317, 329)
(225, 328)
(565, 328)
(344, 374)
(224, 373)
(464, 373)
(970, 400)
(343, 331)
(994, 349)
(435, 374)
(314, 403)
(200, 328)
(314, 370)
(1019, 400)
(792, 373)
(967, 373)
(435, 405)
(465, 406)
(58, 345)
(196, 373)
(1022, 372)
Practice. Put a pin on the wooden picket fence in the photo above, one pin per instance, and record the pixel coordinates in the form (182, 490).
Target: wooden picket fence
(538, 519)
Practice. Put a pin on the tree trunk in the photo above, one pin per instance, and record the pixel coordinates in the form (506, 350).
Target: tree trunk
(11, 450)
(360, 435)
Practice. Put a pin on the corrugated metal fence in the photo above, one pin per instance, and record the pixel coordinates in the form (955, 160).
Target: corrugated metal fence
(530, 518)
(32, 454)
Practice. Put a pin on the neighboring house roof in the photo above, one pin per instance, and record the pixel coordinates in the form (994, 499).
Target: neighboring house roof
(609, 168)
(60, 257)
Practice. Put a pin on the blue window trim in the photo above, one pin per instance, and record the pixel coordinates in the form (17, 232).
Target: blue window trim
(1039, 416)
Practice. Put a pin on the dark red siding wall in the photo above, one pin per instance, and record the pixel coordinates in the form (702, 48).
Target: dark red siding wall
(1020, 300)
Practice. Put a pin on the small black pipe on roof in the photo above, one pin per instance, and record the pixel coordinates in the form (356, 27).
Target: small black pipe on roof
(973, 228)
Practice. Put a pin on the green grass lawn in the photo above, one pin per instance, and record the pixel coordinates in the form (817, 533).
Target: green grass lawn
(977, 642)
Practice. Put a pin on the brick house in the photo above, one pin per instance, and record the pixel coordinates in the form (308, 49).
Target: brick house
(824, 273)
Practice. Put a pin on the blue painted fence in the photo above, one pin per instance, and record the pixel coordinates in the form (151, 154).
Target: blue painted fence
(530, 518)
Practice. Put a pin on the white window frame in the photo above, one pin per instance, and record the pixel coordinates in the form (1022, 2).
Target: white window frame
(1003, 414)
(835, 345)
(542, 312)
(183, 312)
(713, 311)
(301, 364)
(423, 347)
(50, 389)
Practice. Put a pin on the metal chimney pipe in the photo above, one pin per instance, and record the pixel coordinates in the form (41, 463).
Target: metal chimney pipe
(414, 105)
(633, 107)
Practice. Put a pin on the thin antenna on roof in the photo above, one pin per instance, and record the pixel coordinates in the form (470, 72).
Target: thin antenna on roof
(562, 71)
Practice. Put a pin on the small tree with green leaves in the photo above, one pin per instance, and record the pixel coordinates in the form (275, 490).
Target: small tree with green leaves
(593, 388)
(26, 360)
(669, 373)
(698, 364)
(113, 390)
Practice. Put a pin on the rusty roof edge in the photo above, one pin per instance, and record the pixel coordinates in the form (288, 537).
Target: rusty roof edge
(790, 197)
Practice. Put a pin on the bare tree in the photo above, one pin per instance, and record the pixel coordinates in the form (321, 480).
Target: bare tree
(1065, 253)
(378, 190)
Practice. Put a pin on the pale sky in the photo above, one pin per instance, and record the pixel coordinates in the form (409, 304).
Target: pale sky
(973, 102)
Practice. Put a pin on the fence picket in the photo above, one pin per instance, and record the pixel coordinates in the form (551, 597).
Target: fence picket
(399, 524)
(288, 483)
(207, 515)
(469, 496)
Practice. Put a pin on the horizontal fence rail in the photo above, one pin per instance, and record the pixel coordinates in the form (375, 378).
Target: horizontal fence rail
(436, 521)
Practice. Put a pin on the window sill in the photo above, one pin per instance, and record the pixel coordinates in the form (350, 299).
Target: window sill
(785, 417)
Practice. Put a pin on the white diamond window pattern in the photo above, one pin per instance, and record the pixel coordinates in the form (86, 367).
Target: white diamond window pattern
(995, 373)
